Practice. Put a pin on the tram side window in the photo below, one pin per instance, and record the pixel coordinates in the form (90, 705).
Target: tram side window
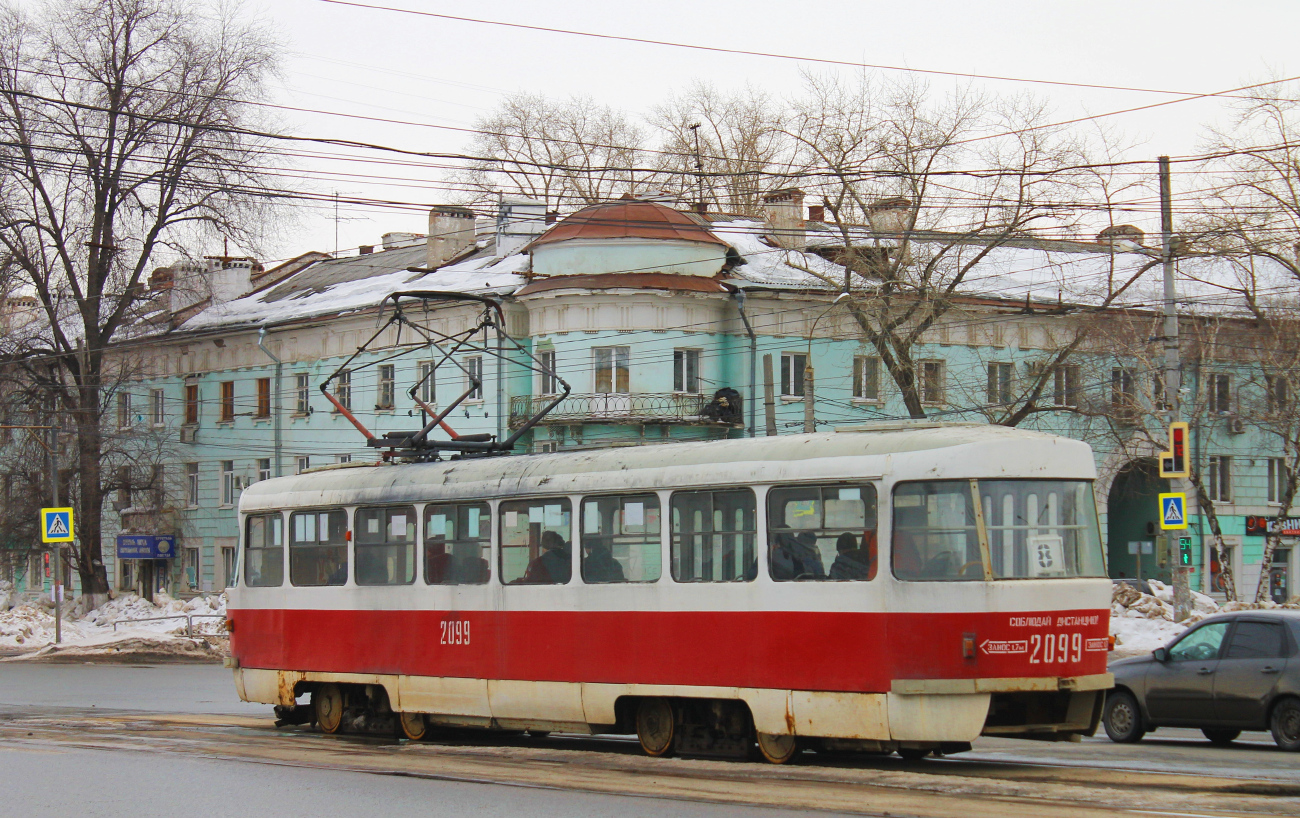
(535, 541)
(620, 539)
(822, 532)
(713, 536)
(318, 547)
(935, 532)
(385, 545)
(457, 543)
(264, 551)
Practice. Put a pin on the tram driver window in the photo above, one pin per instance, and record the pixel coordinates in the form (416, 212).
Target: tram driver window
(536, 542)
(318, 547)
(457, 542)
(620, 539)
(264, 550)
(385, 545)
(822, 532)
(713, 536)
(935, 532)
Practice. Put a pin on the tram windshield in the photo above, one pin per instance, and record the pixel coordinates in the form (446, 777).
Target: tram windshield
(1021, 529)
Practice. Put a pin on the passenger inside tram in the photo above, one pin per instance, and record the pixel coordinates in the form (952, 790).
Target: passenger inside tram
(599, 565)
(851, 560)
(553, 566)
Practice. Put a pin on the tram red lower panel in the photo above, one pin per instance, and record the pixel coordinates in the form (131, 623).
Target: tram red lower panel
(768, 649)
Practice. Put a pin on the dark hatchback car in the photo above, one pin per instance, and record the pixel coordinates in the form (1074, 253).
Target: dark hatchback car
(1230, 672)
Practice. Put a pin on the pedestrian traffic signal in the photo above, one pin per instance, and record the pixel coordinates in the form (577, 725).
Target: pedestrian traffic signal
(1185, 552)
(1176, 462)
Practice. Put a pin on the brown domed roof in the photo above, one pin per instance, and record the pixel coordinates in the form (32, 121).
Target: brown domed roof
(628, 219)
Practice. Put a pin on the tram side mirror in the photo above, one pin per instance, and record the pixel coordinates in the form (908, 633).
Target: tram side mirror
(1161, 654)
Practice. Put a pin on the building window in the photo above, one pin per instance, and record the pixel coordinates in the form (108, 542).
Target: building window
(124, 488)
(263, 469)
(158, 407)
(1065, 386)
(1218, 478)
(1123, 401)
(793, 365)
(550, 380)
(1278, 392)
(1278, 475)
(192, 568)
(999, 384)
(387, 386)
(158, 486)
(428, 387)
(191, 403)
(302, 463)
(228, 483)
(866, 378)
(612, 375)
(474, 377)
(227, 401)
(124, 410)
(228, 565)
(342, 458)
(1220, 397)
(263, 397)
(301, 390)
(686, 371)
(931, 381)
(192, 485)
(343, 389)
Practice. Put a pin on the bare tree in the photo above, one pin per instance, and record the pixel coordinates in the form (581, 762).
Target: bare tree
(557, 152)
(722, 149)
(128, 128)
(942, 184)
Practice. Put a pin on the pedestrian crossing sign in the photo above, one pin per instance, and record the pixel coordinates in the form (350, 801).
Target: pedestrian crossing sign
(1173, 510)
(56, 525)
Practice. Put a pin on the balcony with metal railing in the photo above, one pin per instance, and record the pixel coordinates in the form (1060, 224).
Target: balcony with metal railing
(634, 408)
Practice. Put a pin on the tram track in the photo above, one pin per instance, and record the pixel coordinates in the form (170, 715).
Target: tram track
(973, 788)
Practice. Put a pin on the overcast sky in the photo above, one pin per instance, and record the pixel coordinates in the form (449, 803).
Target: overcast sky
(447, 73)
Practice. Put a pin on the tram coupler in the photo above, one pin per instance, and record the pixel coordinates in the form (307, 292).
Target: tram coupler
(286, 715)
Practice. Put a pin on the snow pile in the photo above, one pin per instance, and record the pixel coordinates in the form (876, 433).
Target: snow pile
(28, 627)
(1142, 622)
(6, 594)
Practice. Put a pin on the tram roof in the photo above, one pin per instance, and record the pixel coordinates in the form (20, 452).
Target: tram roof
(867, 441)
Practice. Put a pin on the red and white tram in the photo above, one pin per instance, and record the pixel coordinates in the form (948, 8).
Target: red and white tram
(906, 588)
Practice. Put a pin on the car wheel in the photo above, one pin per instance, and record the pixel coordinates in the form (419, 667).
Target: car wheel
(1222, 736)
(1285, 724)
(1123, 718)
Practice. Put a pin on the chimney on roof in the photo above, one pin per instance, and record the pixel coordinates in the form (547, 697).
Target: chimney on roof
(1121, 237)
(892, 215)
(396, 241)
(451, 232)
(162, 278)
(216, 280)
(816, 213)
(785, 222)
(700, 207)
(519, 221)
(365, 249)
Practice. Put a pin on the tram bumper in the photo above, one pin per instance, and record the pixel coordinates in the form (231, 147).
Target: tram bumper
(1045, 708)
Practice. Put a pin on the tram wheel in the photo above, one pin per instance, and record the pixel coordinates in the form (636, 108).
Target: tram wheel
(654, 726)
(328, 701)
(412, 725)
(777, 749)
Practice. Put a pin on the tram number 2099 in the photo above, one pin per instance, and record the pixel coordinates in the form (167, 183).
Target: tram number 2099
(1055, 648)
(455, 631)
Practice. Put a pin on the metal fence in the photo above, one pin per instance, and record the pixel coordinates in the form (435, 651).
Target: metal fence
(189, 620)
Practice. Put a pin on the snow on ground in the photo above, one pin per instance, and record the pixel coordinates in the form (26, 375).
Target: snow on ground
(29, 628)
(1142, 622)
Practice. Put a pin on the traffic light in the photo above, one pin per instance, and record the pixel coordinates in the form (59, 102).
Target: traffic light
(1176, 462)
(1185, 552)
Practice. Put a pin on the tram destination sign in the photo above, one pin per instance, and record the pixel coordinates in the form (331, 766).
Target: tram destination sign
(146, 546)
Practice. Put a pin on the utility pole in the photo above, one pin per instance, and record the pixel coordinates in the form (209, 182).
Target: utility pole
(769, 396)
(1172, 372)
(809, 418)
(58, 547)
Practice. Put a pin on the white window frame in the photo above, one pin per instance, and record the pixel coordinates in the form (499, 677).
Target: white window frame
(124, 410)
(474, 369)
(228, 483)
(930, 382)
(548, 378)
(618, 358)
(793, 365)
(192, 485)
(386, 393)
(1277, 478)
(343, 389)
(1218, 478)
(428, 383)
(1065, 385)
(302, 394)
(263, 469)
(1219, 389)
(686, 371)
(1000, 383)
(866, 379)
(301, 463)
(158, 407)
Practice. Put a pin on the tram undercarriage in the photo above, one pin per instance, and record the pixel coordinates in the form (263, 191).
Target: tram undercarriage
(723, 722)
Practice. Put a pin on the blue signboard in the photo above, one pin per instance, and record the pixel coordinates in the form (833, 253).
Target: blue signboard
(146, 546)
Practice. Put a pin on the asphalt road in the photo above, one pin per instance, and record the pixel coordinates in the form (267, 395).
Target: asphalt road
(139, 741)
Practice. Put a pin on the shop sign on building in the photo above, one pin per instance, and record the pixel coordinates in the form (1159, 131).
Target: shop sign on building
(146, 546)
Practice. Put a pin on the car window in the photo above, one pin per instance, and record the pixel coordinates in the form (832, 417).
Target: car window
(1201, 644)
(1256, 640)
